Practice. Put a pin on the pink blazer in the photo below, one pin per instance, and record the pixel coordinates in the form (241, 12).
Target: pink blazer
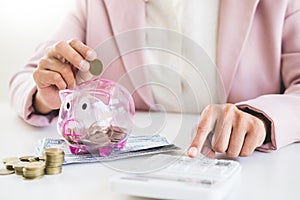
(258, 58)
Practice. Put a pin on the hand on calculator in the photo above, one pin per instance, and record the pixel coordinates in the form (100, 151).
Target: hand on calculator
(227, 129)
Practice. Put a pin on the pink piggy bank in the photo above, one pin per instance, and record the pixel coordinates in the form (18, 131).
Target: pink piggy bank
(96, 117)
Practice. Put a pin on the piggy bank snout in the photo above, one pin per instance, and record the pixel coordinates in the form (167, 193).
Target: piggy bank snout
(73, 129)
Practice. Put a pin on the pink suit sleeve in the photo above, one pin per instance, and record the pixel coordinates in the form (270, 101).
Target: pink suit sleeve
(283, 110)
(22, 86)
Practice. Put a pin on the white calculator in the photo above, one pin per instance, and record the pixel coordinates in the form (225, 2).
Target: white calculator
(183, 178)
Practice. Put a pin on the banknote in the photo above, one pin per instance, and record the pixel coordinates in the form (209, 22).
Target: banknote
(135, 146)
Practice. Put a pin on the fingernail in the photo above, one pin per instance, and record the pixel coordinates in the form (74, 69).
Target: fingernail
(84, 66)
(91, 55)
(193, 152)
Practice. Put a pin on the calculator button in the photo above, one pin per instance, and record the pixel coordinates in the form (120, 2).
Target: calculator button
(223, 163)
(194, 170)
(216, 170)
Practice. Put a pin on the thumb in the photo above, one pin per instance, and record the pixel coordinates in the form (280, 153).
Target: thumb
(83, 76)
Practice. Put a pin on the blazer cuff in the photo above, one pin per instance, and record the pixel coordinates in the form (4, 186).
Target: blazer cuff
(270, 142)
(34, 118)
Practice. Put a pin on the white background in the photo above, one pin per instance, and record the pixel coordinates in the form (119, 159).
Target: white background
(24, 24)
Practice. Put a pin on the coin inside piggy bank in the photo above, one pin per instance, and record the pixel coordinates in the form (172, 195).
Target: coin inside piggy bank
(96, 117)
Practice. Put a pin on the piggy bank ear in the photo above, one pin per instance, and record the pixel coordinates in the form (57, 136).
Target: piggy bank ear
(63, 94)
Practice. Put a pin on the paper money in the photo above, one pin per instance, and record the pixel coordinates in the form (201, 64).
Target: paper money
(135, 146)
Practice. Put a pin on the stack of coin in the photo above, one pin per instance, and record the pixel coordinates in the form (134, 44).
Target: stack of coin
(34, 170)
(19, 166)
(31, 167)
(54, 159)
(16, 165)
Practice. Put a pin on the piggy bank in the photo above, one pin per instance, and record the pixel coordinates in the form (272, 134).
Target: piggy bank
(96, 117)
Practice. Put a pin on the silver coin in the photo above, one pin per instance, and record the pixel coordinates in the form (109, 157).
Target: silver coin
(96, 67)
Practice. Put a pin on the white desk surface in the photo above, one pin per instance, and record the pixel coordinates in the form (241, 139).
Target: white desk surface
(263, 176)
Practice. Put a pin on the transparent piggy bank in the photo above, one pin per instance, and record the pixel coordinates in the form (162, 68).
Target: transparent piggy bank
(96, 117)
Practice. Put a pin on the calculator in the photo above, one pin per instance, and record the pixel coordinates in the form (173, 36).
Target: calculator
(180, 177)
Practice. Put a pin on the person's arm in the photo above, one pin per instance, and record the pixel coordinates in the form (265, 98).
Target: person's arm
(22, 86)
(283, 110)
(266, 123)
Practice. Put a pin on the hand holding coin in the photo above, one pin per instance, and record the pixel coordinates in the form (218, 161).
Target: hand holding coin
(57, 71)
(96, 68)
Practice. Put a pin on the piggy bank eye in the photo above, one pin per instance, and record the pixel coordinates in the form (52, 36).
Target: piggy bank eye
(84, 106)
(68, 106)
(84, 103)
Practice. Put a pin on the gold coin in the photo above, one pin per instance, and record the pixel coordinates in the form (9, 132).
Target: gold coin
(32, 174)
(6, 171)
(34, 166)
(34, 170)
(19, 172)
(10, 159)
(19, 167)
(10, 165)
(96, 67)
(53, 170)
(53, 164)
(51, 151)
(54, 160)
(28, 158)
(54, 157)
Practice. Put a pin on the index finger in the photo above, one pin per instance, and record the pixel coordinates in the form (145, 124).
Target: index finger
(205, 126)
(75, 52)
(84, 50)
